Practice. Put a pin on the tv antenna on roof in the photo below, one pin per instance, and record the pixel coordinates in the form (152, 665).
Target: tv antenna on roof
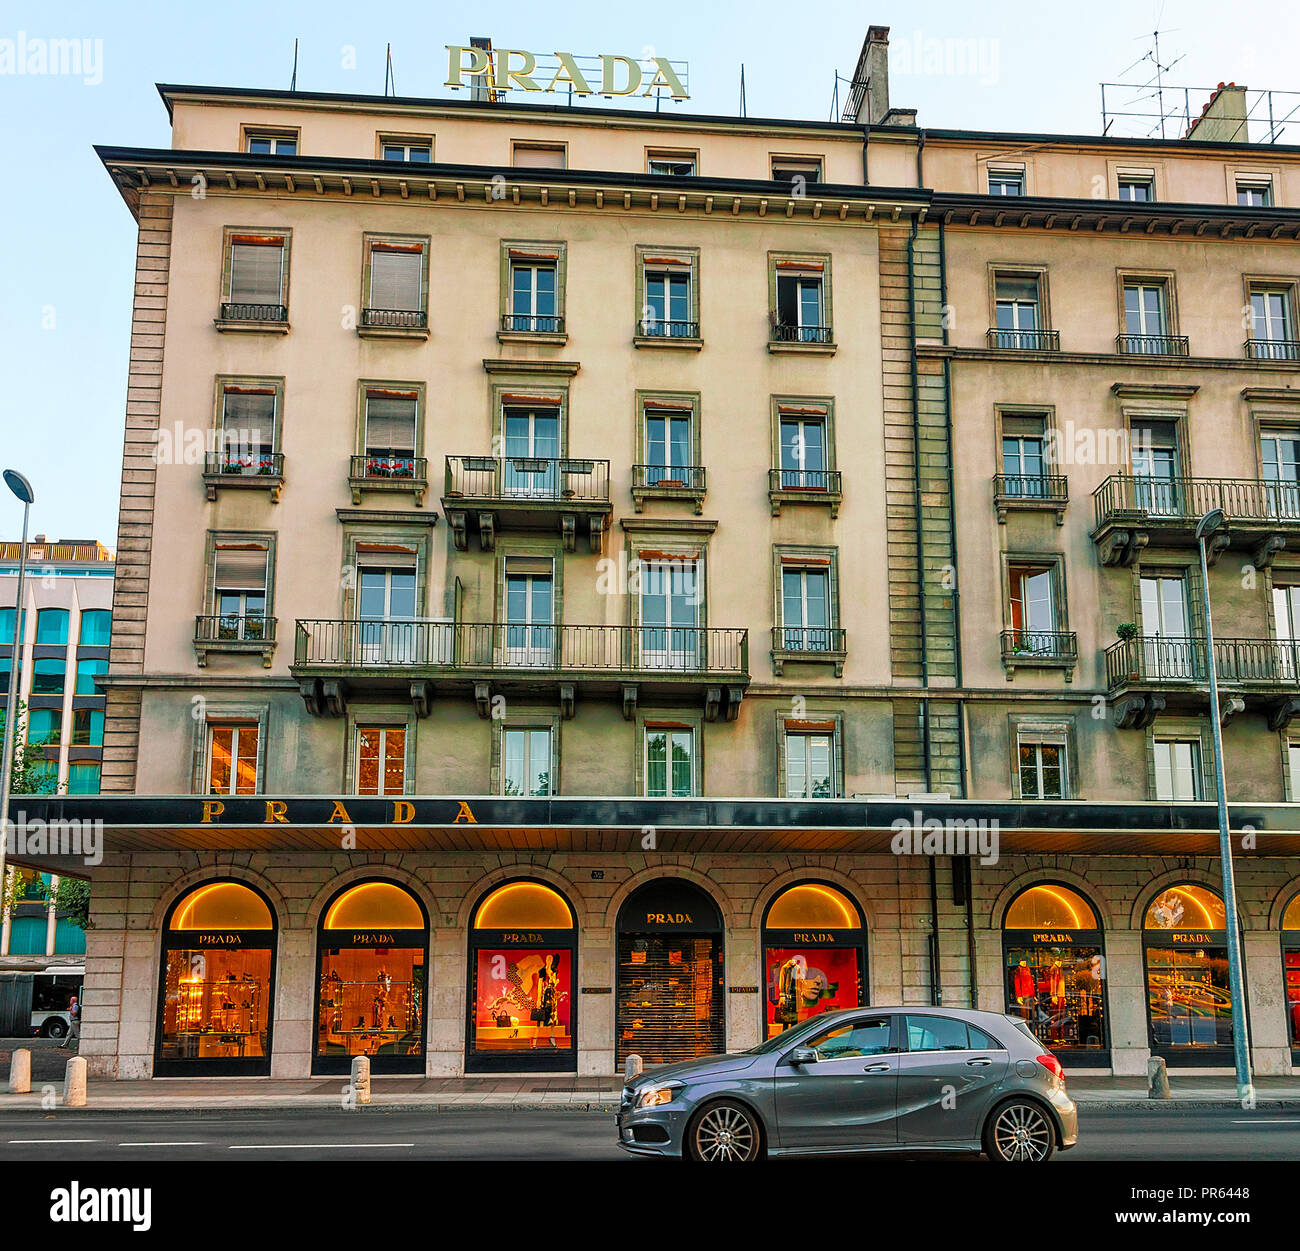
(389, 78)
(1153, 55)
(293, 82)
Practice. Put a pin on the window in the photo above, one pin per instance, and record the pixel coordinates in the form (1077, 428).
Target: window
(796, 171)
(87, 672)
(1042, 766)
(867, 1036)
(1006, 181)
(256, 277)
(47, 677)
(1016, 311)
(671, 164)
(52, 627)
(232, 759)
(1024, 460)
(1286, 629)
(387, 599)
(1255, 193)
(1168, 650)
(413, 150)
(96, 627)
(6, 668)
(1280, 458)
(87, 727)
(1154, 453)
(810, 760)
(1032, 601)
(670, 602)
(394, 284)
(7, 625)
(538, 155)
(533, 299)
(271, 142)
(1178, 769)
(668, 309)
(806, 604)
(800, 313)
(381, 760)
(1293, 769)
(248, 429)
(531, 442)
(390, 433)
(669, 761)
(669, 441)
(526, 761)
(1146, 316)
(239, 588)
(942, 1033)
(45, 725)
(1137, 187)
(83, 777)
(1272, 323)
(530, 611)
(803, 451)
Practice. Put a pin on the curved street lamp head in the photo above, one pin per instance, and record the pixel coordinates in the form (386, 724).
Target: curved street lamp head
(1214, 520)
(19, 486)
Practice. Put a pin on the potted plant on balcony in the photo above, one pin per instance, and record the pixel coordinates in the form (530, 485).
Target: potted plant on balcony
(1126, 632)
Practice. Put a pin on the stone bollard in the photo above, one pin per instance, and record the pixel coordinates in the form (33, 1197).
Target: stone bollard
(1157, 1079)
(20, 1072)
(633, 1067)
(74, 1084)
(361, 1078)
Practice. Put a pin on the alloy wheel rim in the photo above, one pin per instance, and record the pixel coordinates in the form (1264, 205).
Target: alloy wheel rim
(1022, 1134)
(724, 1135)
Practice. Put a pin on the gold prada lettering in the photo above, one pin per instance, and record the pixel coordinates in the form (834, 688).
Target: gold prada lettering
(212, 808)
(276, 810)
(512, 69)
(340, 813)
(464, 814)
(668, 918)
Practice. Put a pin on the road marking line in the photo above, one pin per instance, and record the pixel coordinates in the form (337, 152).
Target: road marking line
(1267, 1122)
(162, 1144)
(310, 1146)
(28, 1142)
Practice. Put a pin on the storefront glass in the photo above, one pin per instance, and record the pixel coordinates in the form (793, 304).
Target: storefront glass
(370, 980)
(1291, 969)
(1054, 970)
(1188, 999)
(814, 955)
(523, 957)
(218, 956)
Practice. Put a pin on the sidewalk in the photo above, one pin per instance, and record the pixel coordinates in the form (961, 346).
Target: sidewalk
(537, 1093)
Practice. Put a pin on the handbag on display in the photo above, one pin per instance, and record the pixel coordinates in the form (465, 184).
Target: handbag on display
(503, 1020)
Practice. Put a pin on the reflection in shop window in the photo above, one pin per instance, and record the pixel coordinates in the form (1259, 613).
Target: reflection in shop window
(1186, 950)
(1291, 967)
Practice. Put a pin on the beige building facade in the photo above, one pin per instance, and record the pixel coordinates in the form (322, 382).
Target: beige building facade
(594, 582)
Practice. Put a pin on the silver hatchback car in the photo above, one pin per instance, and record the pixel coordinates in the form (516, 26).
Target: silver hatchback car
(864, 1079)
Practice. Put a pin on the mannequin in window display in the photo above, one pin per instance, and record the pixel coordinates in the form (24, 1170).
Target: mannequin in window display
(788, 978)
(1022, 988)
(547, 1013)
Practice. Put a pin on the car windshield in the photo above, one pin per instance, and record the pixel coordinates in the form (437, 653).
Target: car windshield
(775, 1043)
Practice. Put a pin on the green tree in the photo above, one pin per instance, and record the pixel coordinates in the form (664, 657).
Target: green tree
(31, 774)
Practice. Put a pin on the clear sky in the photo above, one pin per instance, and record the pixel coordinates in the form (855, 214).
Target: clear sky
(69, 240)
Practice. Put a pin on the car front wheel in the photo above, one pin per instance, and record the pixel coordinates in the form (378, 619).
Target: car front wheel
(724, 1133)
(1019, 1133)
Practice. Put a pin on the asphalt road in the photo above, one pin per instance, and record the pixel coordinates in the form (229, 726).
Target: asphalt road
(474, 1134)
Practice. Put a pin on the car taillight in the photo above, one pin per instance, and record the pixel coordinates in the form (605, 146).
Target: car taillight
(1053, 1066)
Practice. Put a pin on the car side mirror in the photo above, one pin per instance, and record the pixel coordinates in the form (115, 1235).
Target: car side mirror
(803, 1055)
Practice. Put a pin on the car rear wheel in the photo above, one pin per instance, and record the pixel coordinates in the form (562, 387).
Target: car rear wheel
(1019, 1132)
(724, 1133)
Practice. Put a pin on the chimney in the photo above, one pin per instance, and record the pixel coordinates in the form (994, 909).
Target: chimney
(1223, 119)
(868, 98)
(480, 84)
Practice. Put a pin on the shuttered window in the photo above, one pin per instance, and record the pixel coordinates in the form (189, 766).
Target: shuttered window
(390, 423)
(670, 1001)
(248, 418)
(256, 269)
(396, 276)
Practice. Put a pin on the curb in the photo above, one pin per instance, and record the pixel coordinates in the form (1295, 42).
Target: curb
(317, 1105)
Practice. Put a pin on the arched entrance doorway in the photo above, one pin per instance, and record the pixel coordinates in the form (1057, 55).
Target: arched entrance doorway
(216, 983)
(1291, 974)
(523, 955)
(814, 955)
(669, 988)
(1054, 971)
(370, 961)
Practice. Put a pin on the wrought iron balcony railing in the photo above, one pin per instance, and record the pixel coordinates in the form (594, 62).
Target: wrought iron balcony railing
(1151, 344)
(521, 323)
(810, 639)
(1262, 663)
(668, 477)
(234, 628)
(389, 467)
(1273, 349)
(656, 328)
(250, 463)
(783, 333)
(562, 480)
(1027, 646)
(1031, 486)
(254, 312)
(395, 318)
(1024, 340)
(813, 481)
(1126, 497)
(525, 650)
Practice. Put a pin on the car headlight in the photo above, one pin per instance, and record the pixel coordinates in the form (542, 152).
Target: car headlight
(653, 1096)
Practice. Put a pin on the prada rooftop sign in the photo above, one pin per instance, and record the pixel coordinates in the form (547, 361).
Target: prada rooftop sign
(513, 69)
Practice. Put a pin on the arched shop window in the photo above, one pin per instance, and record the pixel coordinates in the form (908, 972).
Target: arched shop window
(1054, 969)
(216, 984)
(1185, 943)
(669, 990)
(814, 955)
(1291, 971)
(522, 962)
(370, 980)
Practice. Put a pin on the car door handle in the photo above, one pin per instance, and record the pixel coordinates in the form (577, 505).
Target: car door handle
(878, 1068)
(982, 1063)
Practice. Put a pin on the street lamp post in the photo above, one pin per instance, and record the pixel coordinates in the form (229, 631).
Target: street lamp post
(1211, 522)
(23, 490)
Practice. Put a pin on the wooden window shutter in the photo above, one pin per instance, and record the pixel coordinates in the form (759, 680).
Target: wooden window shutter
(396, 273)
(256, 269)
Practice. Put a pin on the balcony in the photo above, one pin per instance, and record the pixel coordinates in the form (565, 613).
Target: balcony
(810, 645)
(655, 332)
(233, 633)
(1040, 649)
(805, 486)
(389, 471)
(272, 318)
(393, 323)
(1147, 674)
(552, 662)
(1151, 344)
(1132, 512)
(244, 469)
(1023, 340)
(820, 340)
(668, 482)
(1273, 349)
(1030, 493)
(487, 493)
(529, 328)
